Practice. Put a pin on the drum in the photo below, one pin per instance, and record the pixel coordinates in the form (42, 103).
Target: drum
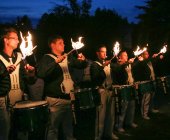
(87, 98)
(127, 92)
(145, 86)
(30, 115)
(163, 83)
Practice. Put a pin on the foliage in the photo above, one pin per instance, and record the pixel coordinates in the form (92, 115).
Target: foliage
(104, 27)
(154, 27)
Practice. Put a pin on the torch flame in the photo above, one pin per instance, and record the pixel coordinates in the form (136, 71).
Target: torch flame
(26, 46)
(78, 44)
(164, 49)
(139, 51)
(116, 48)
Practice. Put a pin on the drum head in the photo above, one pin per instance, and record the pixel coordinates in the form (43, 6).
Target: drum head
(29, 104)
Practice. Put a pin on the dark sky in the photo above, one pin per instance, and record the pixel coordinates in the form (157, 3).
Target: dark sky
(10, 9)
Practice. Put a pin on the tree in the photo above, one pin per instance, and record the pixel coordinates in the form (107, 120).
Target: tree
(86, 5)
(75, 7)
(154, 26)
(24, 24)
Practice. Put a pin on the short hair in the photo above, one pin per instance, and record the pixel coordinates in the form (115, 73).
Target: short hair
(100, 46)
(53, 38)
(5, 31)
(120, 53)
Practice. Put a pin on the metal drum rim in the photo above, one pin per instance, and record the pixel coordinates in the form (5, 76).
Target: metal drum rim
(30, 104)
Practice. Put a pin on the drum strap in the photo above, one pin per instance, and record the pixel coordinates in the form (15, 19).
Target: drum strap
(108, 82)
(130, 79)
(14, 76)
(15, 94)
(86, 73)
(152, 70)
(67, 84)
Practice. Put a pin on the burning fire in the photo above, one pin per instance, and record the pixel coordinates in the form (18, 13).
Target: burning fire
(116, 48)
(78, 44)
(139, 51)
(26, 46)
(164, 49)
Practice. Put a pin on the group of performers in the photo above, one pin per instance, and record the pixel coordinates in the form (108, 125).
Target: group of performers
(106, 92)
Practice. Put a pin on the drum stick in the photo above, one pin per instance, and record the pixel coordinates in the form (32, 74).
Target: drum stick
(117, 105)
(97, 121)
(70, 52)
(74, 114)
(72, 97)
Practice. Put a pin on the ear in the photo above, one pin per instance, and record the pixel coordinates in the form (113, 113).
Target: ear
(5, 39)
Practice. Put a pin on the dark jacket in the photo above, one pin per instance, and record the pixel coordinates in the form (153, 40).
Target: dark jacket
(5, 83)
(97, 73)
(120, 75)
(52, 73)
(142, 71)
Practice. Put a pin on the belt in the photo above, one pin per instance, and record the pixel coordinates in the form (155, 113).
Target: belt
(63, 96)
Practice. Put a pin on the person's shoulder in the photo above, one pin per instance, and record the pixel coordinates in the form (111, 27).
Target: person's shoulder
(18, 54)
(47, 57)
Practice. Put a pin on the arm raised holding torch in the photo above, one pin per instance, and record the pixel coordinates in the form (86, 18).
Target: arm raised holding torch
(16, 74)
(161, 52)
(76, 45)
(116, 50)
(138, 52)
(55, 69)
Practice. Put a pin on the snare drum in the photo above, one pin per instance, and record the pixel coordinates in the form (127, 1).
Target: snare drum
(87, 98)
(127, 92)
(30, 115)
(145, 86)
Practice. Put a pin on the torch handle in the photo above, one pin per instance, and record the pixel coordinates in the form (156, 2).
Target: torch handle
(70, 52)
(112, 58)
(18, 63)
(21, 61)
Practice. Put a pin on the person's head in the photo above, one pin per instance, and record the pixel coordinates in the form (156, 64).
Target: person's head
(145, 55)
(56, 44)
(122, 56)
(102, 52)
(9, 38)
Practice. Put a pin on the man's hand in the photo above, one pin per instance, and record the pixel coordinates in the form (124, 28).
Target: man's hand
(30, 70)
(81, 57)
(154, 55)
(107, 62)
(60, 58)
(131, 60)
(11, 68)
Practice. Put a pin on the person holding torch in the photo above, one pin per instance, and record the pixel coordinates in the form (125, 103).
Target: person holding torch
(14, 76)
(55, 69)
(101, 71)
(144, 72)
(123, 76)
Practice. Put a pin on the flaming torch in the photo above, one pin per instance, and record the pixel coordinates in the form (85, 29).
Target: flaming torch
(26, 46)
(163, 50)
(76, 45)
(139, 51)
(116, 50)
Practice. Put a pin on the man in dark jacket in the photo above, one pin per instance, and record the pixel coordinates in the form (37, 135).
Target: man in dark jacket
(123, 76)
(54, 69)
(13, 77)
(101, 76)
(144, 73)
